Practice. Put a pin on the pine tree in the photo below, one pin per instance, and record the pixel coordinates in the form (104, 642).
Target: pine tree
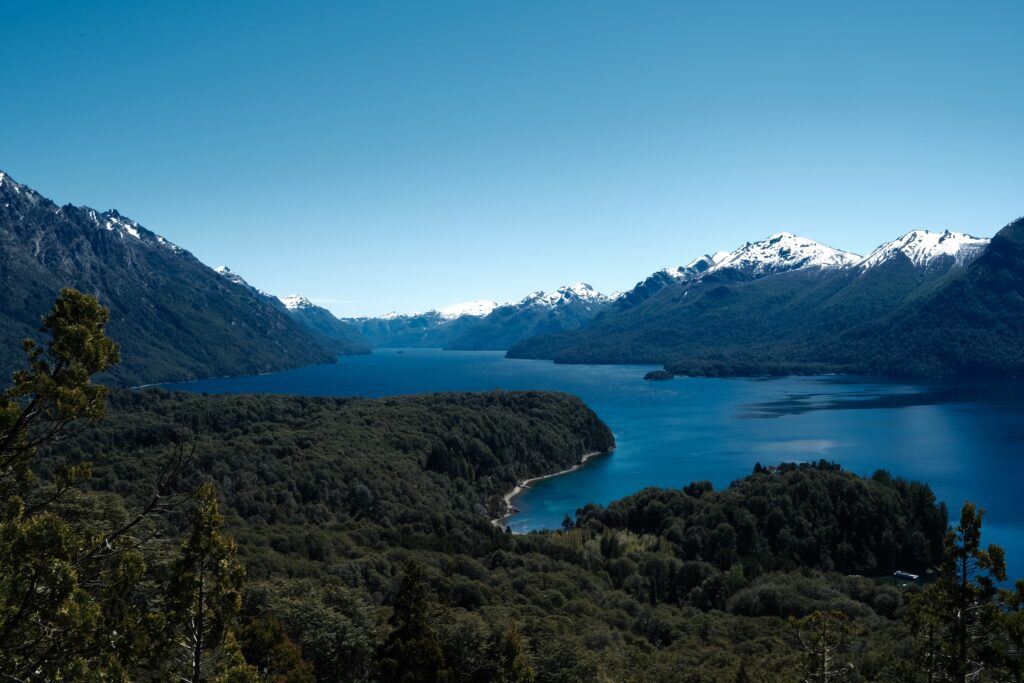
(67, 599)
(204, 598)
(1012, 629)
(957, 618)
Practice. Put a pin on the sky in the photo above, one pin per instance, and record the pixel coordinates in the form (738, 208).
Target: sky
(378, 156)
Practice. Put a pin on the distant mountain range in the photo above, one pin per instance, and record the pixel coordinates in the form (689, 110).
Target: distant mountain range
(174, 317)
(927, 304)
(338, 337)
(487, 325)
(781, 305)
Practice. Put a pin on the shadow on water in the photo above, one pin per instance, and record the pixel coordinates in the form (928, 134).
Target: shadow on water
(882, 395)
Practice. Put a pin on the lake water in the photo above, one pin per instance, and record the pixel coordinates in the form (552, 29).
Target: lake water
(966, 441)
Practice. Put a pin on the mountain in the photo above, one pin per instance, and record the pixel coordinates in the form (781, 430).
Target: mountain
(780, 253)
(972, 325)
(568, 308)
(780, 306)
(486, 325)
(336, 336)
(332, 333)
(667, 277)
(432, 329)
(928, 250)
(475, 309)
(175, 318)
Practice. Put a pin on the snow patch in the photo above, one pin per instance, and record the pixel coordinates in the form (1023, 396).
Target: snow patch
(231, 276)
(580, 291)
(781, 252)
(924, 248)
(294, 302)
(475, 309)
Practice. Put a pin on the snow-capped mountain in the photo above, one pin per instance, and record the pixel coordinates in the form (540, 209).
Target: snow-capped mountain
(486, 324)
(697, 266)
(739, 317)
(580, 292)
(173, 316)
(778, 253)
(666, 277)
(472, 309)
(20, 198)
(294, 302)
(928, 250)
(567, 308)
(231, 276)
(782, 252)
(475, 309)
(334, 334)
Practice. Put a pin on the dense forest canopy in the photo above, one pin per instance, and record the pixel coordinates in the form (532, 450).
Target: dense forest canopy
(269, 538)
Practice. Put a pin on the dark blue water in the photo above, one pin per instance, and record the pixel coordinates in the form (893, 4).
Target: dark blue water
(966, 441)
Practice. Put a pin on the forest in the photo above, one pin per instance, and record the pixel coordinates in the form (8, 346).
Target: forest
(149, 536)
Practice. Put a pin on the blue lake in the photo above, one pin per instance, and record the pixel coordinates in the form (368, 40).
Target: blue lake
(965, 440)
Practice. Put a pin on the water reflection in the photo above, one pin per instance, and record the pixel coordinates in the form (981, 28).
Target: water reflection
(873, 394)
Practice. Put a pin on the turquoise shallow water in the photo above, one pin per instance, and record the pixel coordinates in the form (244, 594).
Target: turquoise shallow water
(965, 440)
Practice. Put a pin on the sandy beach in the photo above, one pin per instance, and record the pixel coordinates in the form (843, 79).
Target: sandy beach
(526, 483)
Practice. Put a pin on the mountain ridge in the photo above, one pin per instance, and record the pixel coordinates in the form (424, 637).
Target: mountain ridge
(826, 318)
(175, 318)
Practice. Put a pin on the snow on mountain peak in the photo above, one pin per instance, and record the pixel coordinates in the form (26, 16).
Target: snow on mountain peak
(476, 309)
(114, 221)
(781, 252)
(580, 291)
(924, 248)
(294, 302)
(230, 276)
(696, 266)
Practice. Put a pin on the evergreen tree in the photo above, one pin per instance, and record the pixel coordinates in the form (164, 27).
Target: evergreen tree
(1012, 627)
(957, 618)
(204, 598)
(411, 653)
(68, 604)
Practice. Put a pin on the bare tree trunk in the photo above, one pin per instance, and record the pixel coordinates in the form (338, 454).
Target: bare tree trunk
(197, 655)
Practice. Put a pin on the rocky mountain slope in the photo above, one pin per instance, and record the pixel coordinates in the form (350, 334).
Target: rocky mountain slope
(175, 318)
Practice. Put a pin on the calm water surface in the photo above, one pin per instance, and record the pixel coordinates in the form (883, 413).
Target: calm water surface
(966, 441)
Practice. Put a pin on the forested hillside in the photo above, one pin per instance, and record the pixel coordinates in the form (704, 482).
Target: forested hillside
(973, 325)
(896, 318)
(272, 538)
(351, 490)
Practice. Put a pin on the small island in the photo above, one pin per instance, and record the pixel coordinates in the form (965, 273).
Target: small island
(658, 376)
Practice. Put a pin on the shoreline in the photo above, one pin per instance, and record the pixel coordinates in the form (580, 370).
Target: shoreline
(510, 510)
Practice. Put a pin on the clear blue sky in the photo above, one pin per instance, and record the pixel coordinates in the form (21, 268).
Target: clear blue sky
(405, 155)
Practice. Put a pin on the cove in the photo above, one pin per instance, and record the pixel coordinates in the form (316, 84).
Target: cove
(964, 439)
